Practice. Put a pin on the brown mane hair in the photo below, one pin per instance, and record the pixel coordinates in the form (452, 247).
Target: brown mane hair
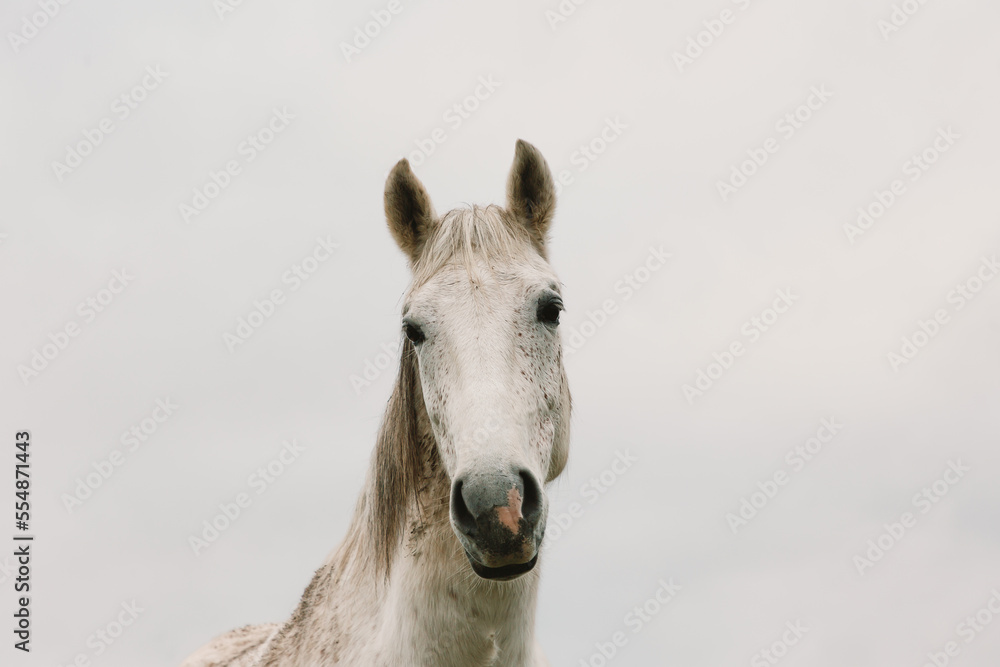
(400, 463)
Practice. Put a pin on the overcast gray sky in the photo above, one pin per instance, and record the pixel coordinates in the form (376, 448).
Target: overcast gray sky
(822, 177)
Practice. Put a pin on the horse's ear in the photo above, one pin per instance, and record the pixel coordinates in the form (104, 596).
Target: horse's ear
(531, 192)
(408, 210)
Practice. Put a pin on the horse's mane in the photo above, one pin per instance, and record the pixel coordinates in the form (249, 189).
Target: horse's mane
(399, 464)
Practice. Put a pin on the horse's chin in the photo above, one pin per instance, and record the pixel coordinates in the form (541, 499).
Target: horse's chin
(504, 572)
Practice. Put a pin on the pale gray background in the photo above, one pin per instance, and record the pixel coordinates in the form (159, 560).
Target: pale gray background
(655, 185)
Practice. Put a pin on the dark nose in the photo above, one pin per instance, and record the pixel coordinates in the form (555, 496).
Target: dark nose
(499, 512)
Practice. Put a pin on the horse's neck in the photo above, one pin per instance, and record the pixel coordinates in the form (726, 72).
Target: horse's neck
(433, 610)
(438, 612)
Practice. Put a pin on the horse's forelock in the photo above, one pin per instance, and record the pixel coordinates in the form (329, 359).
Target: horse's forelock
(465, 234)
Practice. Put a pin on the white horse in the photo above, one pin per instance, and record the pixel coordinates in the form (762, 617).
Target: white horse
(439, 563)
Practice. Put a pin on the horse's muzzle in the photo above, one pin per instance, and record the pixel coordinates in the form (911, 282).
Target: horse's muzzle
(498, 519)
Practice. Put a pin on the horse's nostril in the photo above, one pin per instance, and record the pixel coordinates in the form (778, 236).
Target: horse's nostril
(460, 511)
(531, 505)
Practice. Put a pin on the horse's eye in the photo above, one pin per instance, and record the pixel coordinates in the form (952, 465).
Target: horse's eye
(413, 332)
(548, 312)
